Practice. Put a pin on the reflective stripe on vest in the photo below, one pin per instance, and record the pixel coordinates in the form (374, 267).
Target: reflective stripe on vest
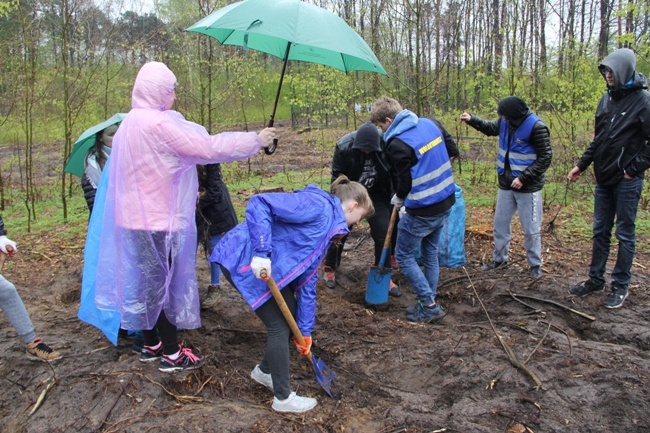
(432, 178)
(521, 154)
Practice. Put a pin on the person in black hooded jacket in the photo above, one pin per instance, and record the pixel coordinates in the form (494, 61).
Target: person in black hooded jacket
(360, 156)
(215, 215)
(524, 156)
(620, 152)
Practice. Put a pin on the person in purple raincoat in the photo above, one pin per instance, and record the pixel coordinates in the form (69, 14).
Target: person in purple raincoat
(146, 267)
(292, 231)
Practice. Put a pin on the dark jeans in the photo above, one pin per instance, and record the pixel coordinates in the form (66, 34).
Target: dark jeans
(378, 228)
(424, 232)
(276, 355)
(619, 202)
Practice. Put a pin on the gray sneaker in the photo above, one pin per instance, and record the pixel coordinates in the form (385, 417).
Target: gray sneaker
(616, 297)
(294, 403)
(536, 272)
(212, 297)
(262, 378)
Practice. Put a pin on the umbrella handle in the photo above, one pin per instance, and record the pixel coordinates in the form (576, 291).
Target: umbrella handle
(271, 149)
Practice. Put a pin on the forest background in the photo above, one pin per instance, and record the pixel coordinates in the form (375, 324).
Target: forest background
(66, 65)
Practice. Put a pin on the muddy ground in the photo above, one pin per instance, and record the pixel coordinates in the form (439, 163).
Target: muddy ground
(495, 363)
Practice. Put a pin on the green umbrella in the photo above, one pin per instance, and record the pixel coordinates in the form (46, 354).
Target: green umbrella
(290, 30)
(76, 161)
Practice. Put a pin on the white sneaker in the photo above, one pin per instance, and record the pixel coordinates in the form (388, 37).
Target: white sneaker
(262, 378)
(294, 403)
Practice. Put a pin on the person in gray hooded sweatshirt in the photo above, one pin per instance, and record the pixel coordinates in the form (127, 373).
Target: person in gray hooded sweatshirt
(524, 156)
(620, 153)
(360, 156)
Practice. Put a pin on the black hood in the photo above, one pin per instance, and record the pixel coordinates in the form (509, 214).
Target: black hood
(514, 109)
(367, 138)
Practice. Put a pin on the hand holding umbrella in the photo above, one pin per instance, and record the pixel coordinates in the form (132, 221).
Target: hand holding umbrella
(290, 30)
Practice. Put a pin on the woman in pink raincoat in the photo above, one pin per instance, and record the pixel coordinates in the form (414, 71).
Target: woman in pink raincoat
(146, 266)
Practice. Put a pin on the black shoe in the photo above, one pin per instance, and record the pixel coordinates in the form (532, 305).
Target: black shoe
(150, 353)
(585, 288)
(536, 272)
(186, 361)
(493, 265)
(616, 297)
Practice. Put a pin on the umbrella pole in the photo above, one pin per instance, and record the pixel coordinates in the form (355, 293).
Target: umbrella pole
(271, 149)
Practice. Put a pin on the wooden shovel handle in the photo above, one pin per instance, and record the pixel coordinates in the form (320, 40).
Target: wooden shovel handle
(391, 225)
(283, 307)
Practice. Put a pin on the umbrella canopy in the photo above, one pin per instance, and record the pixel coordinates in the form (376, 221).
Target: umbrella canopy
(306, 32)
(76, 161)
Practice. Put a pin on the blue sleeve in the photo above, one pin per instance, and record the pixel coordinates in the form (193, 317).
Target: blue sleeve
(263, 210)
(305, 290)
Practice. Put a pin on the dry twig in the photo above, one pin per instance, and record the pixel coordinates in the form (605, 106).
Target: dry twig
(557, 304)
(511, 355)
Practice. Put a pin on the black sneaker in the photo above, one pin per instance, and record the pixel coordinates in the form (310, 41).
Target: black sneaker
(186, 361)
(616, 297)
(149, 354)
(586, 288)
(493, 265)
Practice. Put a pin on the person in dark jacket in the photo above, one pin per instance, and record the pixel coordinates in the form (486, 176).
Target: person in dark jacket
(360, 156)
(524, 156)
(215, 215)
(94, 164)
(15, 310)
(426, 189)
(287, 235)
(620, 152)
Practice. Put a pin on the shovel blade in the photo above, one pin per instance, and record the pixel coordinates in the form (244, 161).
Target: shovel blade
(324, 375)
(378, 285)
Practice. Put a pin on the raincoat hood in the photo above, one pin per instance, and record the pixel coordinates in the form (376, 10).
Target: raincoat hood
(622, 62)
(153, 86)
(514, 109)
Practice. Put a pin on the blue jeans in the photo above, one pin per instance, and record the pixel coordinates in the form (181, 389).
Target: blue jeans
(215, 269)
(413, 232)
(619, 202)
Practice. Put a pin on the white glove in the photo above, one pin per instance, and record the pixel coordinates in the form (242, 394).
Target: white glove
(6, 242)
(402, 212)
(396, 201)
(259, 263)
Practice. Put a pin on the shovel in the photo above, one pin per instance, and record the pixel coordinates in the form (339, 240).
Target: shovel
(379, 278)
(324, 376)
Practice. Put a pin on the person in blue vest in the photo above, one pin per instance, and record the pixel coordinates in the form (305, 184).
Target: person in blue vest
(524, 156)
(426, 189)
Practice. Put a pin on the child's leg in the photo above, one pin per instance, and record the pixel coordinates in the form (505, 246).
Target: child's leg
(215, 269)
(15, 310)
(276, 357)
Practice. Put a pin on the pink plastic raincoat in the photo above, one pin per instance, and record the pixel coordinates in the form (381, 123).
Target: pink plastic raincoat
(148, 234)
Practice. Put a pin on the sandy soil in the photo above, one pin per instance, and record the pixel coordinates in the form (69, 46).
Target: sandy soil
(496, 363)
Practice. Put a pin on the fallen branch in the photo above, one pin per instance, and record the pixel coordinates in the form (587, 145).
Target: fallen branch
(41, 398)
(564, 332)
(512, 357)
(538, 344)
(557, 304)
(535, 310)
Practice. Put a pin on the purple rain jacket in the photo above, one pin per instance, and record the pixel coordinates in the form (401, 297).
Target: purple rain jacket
(294, 230)
(147, 249)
